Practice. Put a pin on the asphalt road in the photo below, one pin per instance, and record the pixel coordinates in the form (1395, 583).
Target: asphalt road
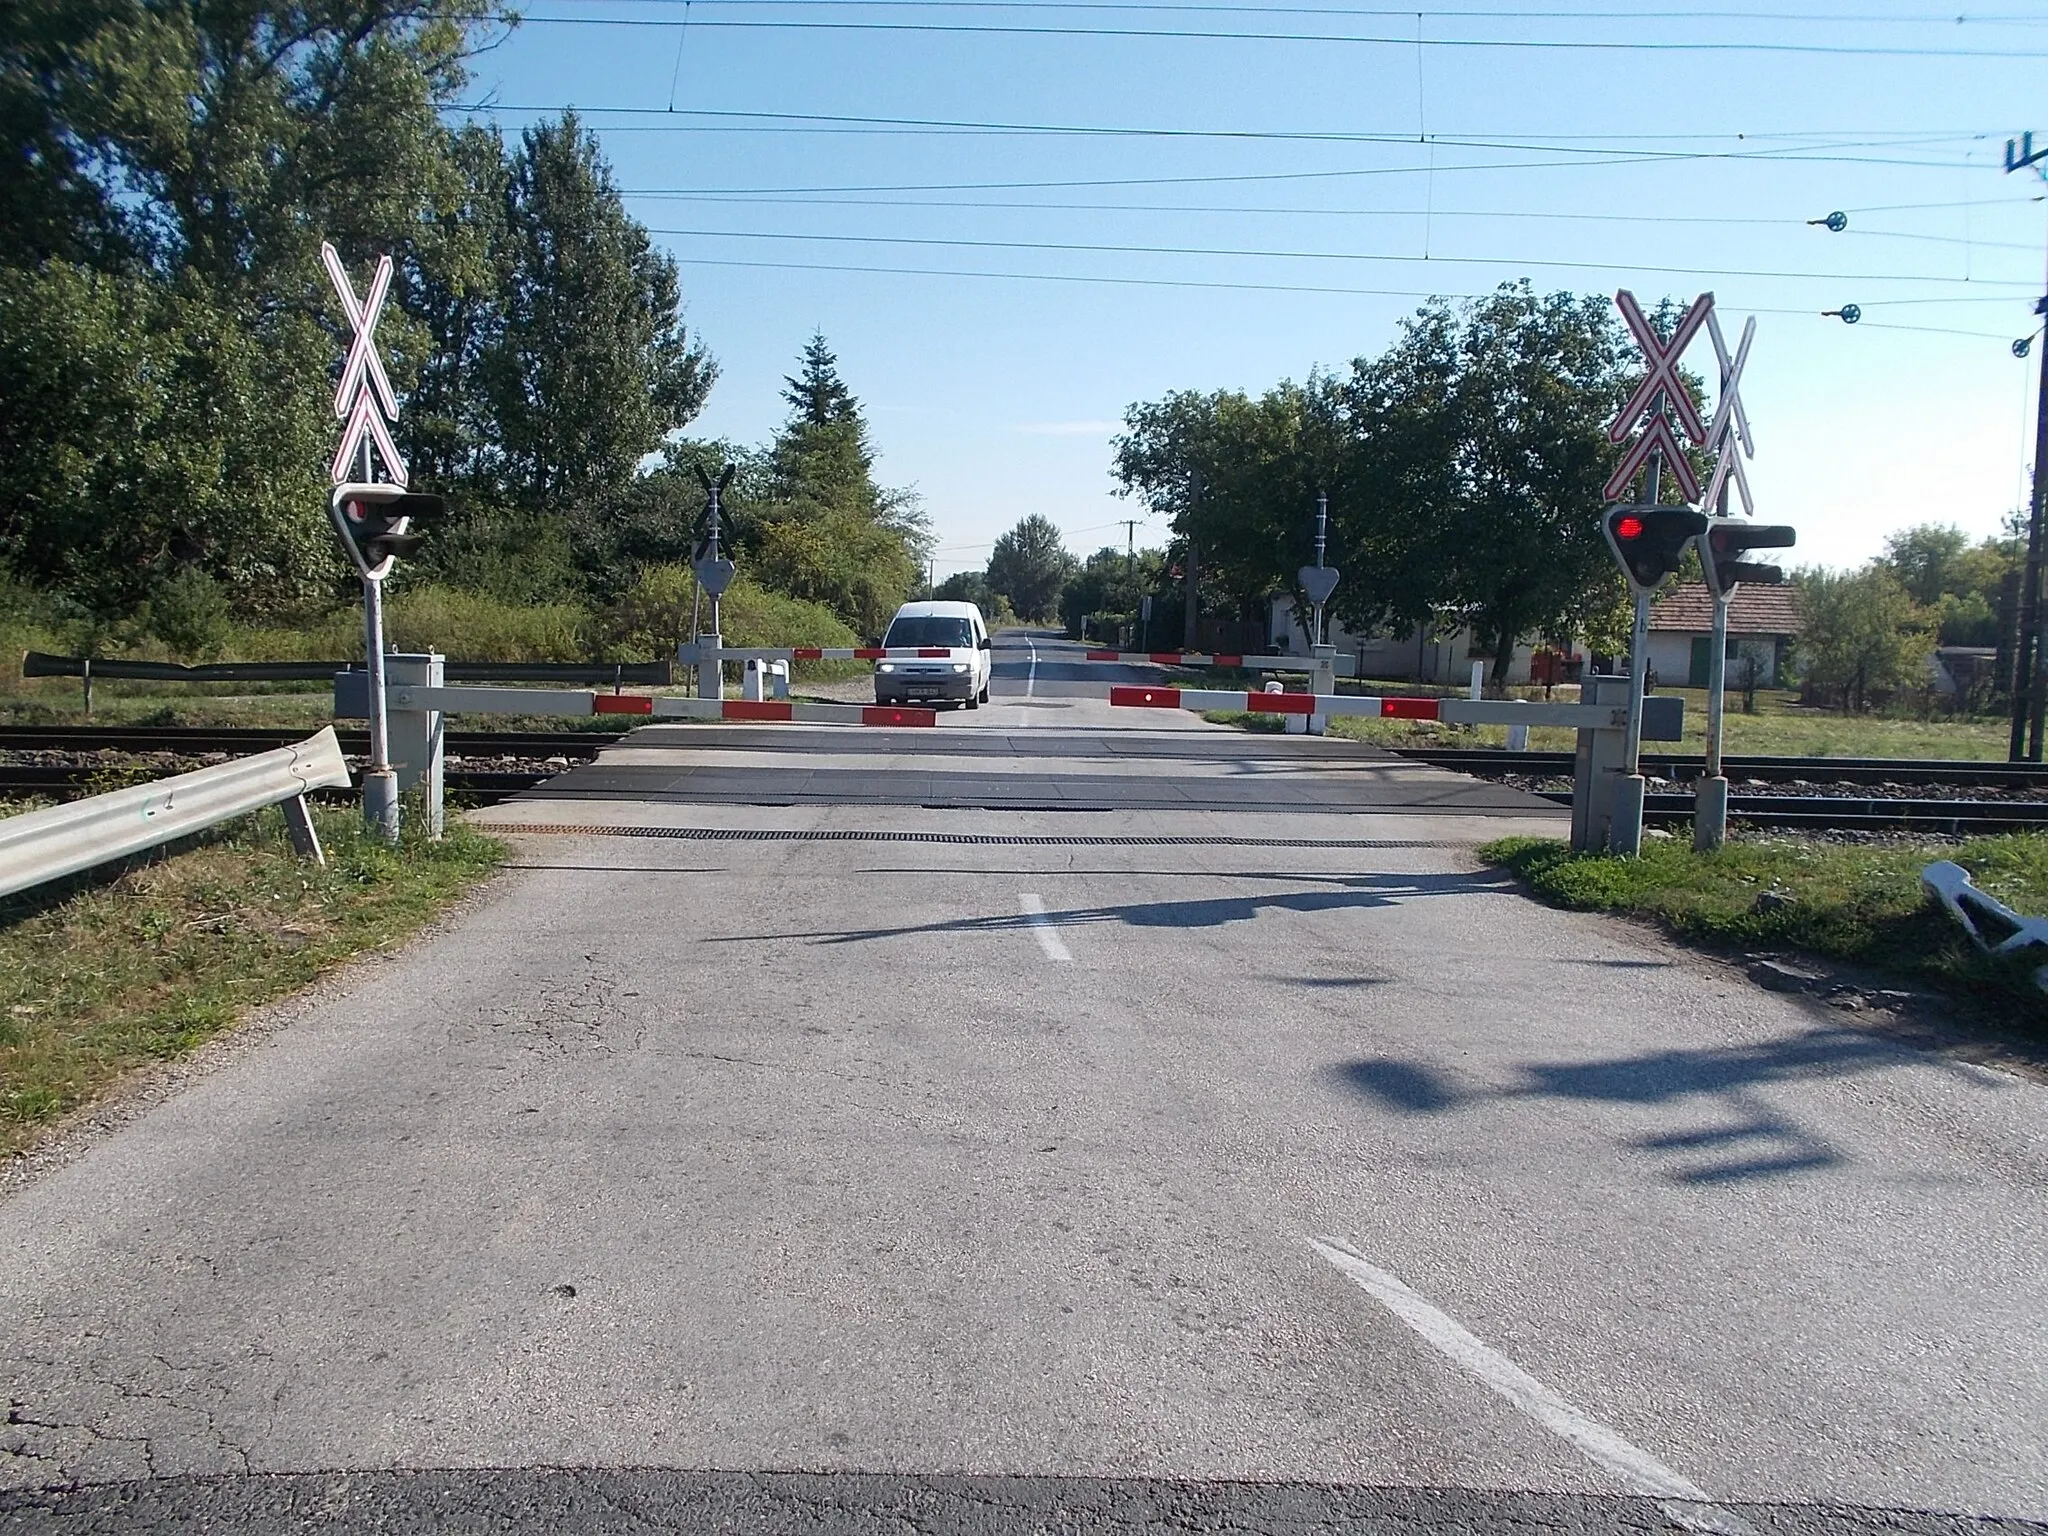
(865, 1166)
(1047, 740)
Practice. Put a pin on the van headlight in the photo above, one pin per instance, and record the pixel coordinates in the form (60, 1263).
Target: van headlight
(885, 666)
(959, 666)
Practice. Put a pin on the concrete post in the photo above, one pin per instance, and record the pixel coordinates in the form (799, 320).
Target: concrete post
(1322, 681)
(710, 670)
(1602, 757)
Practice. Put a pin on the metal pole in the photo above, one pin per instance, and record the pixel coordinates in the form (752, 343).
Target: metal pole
(1710, 795)
(1322, 544)
(380, 782)
(1625, 828)
(2029, 697)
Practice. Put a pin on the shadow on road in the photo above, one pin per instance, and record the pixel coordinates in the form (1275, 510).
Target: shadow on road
(1758, 1142)
(1352, 891)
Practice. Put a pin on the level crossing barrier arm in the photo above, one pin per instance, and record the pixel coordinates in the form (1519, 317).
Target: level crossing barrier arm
(40, 846)
(1341, 666)
(1450, 711)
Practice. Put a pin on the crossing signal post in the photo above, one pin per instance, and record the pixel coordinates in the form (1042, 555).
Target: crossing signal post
(1650, 543)
(375, 523)
(714, 574)
(1727, 540)
(1722, 547)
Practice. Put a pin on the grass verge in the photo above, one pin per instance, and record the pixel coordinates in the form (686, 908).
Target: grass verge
(1854, 903)
(100, 975)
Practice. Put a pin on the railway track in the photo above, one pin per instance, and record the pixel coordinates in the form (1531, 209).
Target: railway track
(1762, 770)
(198, 740)
(518, 761)
(509, 752)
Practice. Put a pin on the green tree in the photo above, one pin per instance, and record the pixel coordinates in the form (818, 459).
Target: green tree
(1481, 451)
(593, 368)
(1111, 585)
(828, 533)
(168, 328)
(1924, 559)
(1029, 566)
(1861, 634)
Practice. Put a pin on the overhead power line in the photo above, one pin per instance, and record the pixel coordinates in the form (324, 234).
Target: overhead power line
(748, 199)
(1083, 247)
(1831, 18)
(1512, 44)
(1228, 287)
(1553, 144)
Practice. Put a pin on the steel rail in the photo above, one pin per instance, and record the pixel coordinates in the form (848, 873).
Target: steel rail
(1768, 770)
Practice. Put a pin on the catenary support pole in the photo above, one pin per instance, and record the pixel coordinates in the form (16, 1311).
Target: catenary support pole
(2030, 678)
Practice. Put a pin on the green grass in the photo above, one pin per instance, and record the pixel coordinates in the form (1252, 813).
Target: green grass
(1853, 903)
(101, 975)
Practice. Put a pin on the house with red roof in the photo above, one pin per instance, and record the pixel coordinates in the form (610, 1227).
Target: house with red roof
(1763, 627)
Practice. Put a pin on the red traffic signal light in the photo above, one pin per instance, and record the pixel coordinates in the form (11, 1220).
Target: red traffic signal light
(1724, 543)
(375, 522)
(1650, 541)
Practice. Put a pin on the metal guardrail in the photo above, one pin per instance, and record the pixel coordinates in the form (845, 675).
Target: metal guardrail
(39, 846)
(646, 674)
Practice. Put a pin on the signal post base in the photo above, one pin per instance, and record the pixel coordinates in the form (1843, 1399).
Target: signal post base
(1710, 814)
(1625, 831)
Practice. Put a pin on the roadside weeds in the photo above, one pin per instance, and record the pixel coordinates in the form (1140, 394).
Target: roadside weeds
(1789, 895)
(113, 970)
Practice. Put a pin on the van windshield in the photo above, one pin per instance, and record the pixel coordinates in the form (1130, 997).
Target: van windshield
(929, 629)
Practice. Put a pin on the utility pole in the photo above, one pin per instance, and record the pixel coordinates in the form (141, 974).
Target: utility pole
(1191, 632)
(2029, 677)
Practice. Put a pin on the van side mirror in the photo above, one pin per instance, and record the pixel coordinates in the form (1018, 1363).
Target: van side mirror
(987, 644)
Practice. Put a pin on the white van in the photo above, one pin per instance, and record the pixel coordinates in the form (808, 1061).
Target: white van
(960, 676)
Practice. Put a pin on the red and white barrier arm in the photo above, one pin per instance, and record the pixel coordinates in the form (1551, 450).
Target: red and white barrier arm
(561, 701)
(1276, 703)
(690, 654)
(1344, 666)
(1578, 717)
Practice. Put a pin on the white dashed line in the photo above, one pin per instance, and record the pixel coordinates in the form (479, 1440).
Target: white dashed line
(1033, 906)
(1685, 1503)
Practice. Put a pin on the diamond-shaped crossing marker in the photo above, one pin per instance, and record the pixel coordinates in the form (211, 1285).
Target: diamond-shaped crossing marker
(1318, 581)
(714, 576)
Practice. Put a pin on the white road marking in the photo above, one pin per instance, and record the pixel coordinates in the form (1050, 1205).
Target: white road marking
(1033, 906)
(1684, 1502)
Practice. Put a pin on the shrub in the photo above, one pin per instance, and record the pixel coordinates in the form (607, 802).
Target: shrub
(469, 626)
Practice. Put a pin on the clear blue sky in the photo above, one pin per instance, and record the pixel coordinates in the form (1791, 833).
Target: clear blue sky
(1586, 148)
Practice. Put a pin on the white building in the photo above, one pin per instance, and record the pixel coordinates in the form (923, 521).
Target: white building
(1416, 657)
(1763, 625)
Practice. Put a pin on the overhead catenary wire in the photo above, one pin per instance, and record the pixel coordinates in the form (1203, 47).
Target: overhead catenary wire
(1095, 248)
(1191, 34)
(1439, 13)
(764, 121)
(1230, 287)
(1788, 223)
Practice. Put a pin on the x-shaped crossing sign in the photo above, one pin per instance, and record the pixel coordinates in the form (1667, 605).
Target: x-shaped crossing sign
(364, 398)
(1728, 434)
(1662, 378)
(1660, 384)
